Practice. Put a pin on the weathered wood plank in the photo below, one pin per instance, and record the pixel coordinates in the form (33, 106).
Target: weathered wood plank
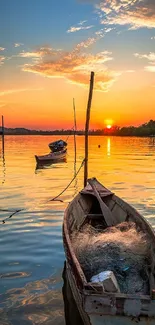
(108, 217)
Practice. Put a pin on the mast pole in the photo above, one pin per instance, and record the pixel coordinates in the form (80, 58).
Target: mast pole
(87, 126)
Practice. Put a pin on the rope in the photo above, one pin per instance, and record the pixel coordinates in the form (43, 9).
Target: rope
(69, 134)
(12, 214)
(54, 199)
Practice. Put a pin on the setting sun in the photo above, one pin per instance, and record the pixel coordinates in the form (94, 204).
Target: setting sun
(108, 123)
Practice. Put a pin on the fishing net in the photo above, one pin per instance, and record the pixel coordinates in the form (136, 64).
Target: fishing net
(121, 249)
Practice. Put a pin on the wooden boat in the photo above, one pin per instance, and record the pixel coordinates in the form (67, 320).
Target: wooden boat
(95, 202)
(52, 157)
(58, 145)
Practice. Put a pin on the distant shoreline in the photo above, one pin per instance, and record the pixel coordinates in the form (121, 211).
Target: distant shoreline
(144, 130)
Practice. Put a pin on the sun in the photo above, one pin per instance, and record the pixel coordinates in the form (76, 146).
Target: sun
(108, 123)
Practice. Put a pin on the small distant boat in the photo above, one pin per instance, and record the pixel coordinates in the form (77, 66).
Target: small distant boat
(52, 157)
(58, 145)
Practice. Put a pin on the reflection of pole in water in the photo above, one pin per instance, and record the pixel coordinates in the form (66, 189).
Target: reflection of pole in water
(76, 183)
(3, 155)
(108, 147)
(75, 128)
(3, 161)
(152, 141)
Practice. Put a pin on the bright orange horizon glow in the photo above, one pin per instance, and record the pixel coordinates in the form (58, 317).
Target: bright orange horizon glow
(108, 126)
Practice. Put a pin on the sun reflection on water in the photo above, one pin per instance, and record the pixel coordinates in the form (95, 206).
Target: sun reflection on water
(108, 147)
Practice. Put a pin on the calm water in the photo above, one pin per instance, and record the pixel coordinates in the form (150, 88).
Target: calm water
(32, 256)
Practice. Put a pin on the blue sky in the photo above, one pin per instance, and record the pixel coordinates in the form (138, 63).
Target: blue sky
(40, 21)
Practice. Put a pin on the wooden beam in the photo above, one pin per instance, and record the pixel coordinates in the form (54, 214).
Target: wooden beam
(107, 214)
(87, 127)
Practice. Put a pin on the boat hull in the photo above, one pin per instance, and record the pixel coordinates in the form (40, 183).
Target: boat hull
(119, 320)
(52, 157)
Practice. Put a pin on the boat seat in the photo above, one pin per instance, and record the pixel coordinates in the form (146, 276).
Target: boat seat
(94, 216)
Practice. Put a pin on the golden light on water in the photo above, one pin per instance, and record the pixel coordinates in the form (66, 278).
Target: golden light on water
(108, 146)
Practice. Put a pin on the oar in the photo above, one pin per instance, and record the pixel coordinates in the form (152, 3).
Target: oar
(108, 216)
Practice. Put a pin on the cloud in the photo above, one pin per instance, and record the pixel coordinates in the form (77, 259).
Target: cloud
(79, 26)
(150, 68)
(2, 58)
(75, 66)
(2, 48)
(38, 53)
(130, 71)
(150, 57)
(82, 22)
(12, 91)
(153, 37)
(76, 29)
(135, 13)
(101, 33)
(18, 44)
(2, 104)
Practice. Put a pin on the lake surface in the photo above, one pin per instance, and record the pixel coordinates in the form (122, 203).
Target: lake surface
(31, 248)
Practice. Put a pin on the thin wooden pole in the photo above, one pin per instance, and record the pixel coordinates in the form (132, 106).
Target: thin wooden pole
(2, 125)
(75, 129)
(87, 126)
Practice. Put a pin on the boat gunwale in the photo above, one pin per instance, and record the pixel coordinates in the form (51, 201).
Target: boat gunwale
(58, 155)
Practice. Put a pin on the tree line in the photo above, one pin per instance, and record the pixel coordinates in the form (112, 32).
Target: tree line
(144, 130)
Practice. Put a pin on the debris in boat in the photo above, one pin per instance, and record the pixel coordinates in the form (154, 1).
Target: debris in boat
(108, 280)
(121, 249)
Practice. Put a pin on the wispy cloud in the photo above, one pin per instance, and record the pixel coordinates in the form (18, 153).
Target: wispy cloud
(2, 104)
(79, 26)
(150, 57)
(135, 13)
(74, 29)
(18, 44)
(75, 66)
(2, 58)
(153, 37)
(12, 91)
(38, 53)
(150, 68)
(130, 71)
(2, 48)
(101, 33)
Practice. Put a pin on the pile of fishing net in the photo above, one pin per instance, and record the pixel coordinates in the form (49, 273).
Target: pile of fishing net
(120, 249)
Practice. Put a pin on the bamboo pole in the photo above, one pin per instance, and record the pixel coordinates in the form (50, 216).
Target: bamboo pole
(87, 127)
(75, 129)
